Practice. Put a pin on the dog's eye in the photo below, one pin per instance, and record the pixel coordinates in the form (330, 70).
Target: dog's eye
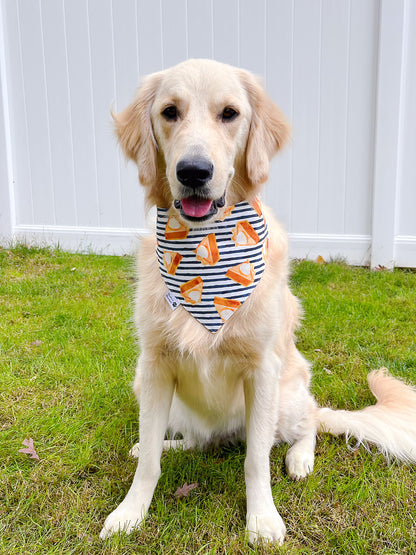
(229, 114)
(170, 113)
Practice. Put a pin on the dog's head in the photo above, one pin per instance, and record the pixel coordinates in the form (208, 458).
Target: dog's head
(202, 134)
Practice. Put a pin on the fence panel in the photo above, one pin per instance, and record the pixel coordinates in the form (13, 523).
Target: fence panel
(333, 67)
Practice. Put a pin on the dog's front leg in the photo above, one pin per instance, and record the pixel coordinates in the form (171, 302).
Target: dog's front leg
(155, 400)
(261, 403)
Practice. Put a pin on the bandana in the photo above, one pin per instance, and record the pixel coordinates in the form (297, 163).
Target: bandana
(212, 270)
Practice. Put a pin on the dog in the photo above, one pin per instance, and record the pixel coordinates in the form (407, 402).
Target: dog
(202, 134)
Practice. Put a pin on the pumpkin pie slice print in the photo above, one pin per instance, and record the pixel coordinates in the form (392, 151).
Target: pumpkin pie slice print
(244, 235)
(226, 212)
(256, 204)
(171, 260)
(225, 307)
(191, 291)
(175, 230)
(207, 251)
(242, 273)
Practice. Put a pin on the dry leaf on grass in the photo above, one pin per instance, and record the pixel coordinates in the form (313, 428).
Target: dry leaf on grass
(36, 343)
(320, 260)
(185, 489)
(29, 449)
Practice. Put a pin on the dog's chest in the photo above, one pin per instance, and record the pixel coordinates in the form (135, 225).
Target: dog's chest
(211, 386)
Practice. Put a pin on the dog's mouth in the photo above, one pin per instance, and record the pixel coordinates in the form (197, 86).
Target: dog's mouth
(199, 209)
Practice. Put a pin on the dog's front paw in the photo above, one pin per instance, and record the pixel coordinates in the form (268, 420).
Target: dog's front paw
(269, 527)
(125, 518)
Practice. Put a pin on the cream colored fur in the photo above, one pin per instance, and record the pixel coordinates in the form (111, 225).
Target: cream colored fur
(248, 380)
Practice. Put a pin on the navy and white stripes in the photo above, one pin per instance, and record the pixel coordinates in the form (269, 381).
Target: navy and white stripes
(211, 270)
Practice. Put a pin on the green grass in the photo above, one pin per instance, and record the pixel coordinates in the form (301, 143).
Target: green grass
(67, 359)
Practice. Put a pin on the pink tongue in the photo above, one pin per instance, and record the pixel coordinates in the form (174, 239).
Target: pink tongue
(196, 207)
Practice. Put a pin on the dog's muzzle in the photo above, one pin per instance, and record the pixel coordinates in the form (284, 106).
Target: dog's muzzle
(195, 174)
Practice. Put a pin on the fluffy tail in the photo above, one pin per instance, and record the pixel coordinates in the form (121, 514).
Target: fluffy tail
(390, 424)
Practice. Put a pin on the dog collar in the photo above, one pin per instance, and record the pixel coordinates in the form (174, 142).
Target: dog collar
(212, 270)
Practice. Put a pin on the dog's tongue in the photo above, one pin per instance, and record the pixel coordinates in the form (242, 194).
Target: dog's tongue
(196, 207)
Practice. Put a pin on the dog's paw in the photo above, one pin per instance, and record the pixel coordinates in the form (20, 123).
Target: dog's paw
(269, 527)
(299, 462)
(183, 444)
(134, 451)
(125, 518)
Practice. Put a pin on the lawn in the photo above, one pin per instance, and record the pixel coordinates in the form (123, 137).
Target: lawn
(67, 360)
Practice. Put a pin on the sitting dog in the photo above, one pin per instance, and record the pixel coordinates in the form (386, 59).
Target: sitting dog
(215, 315)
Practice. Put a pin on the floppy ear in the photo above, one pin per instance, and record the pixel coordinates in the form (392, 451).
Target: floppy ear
(134, 130)
(269, 130)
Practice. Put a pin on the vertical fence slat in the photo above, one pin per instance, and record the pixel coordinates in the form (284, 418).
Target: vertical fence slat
(103, 90)
(7, 200)
(279, 83)
(333, 116)
(199, 29)
(149, 29)
(174, 35)
(226, 31)
(306, 140)
(389, 105)
(407, 199)
(35, 99)
(81, 112)
(361, 116)
(59, 128)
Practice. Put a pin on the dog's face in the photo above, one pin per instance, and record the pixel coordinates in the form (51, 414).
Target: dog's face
(202, 134)
(201, 119)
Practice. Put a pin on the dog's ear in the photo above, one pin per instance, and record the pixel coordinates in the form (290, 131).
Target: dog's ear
(269, 130)
(134, 130)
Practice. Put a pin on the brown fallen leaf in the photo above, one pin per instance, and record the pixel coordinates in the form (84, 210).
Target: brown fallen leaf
(36, 343)
(29, 449)
(185, 489)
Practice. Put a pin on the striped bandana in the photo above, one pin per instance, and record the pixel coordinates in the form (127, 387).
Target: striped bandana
(212, 270)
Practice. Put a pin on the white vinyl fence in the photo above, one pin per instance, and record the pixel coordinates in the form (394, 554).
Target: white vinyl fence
(343, 71)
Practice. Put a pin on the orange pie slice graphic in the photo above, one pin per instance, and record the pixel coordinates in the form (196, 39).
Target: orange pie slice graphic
(171, 260)
(244, 235)
(242, 273)
(207, 251)
(226, 212)
(175, 230)
(192, 290)
(256, 204)
(225, 307)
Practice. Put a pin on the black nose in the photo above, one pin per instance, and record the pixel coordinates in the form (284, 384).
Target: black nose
(194, 172)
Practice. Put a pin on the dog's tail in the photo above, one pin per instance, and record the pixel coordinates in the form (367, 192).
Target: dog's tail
(390, 424)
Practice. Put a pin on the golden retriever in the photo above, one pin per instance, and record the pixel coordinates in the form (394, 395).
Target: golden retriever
(202, 134)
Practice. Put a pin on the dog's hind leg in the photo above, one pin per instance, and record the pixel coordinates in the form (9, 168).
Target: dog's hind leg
(297, 418)
(184, 444)
(300, 457)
